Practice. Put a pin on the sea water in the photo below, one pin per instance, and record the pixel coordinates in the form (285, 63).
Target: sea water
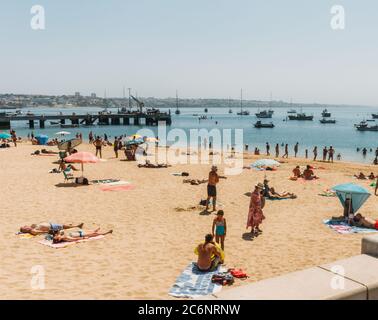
(343, 136)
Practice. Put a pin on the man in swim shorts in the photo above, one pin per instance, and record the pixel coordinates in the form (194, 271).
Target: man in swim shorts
(46, 227)
(212, 187)
(208, 255)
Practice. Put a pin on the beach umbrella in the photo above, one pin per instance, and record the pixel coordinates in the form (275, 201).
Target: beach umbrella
(82, 157)
(69, 144)
(42, 139)
(265, 163)
(135, 136)
(357, 193)
(63, 133)
(4, 135)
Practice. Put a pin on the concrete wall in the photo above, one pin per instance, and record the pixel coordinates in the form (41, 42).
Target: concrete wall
(355, 278)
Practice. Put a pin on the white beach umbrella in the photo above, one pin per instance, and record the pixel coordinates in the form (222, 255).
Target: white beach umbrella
(63, 133)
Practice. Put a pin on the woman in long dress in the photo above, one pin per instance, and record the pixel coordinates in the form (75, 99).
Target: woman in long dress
(255, 214)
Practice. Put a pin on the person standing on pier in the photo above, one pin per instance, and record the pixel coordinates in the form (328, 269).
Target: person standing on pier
(98, 144)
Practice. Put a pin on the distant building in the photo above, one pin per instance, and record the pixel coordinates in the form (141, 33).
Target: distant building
(77, 94)
(93, 96)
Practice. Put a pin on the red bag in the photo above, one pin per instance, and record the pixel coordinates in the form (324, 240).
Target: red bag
(238, 273)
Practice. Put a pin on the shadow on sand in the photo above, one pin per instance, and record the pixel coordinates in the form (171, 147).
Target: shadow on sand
(248, 236)
(68, 185)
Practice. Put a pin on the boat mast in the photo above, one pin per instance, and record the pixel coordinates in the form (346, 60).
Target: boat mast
(241, 100)
(177, 102)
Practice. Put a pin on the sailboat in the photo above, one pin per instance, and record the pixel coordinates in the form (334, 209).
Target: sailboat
(177, 104)
(242, 112)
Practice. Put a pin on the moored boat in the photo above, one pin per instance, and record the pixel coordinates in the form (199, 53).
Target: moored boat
(259, 125)
(301, 117)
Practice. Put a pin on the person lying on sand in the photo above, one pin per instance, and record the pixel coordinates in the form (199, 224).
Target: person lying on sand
(59, 236)
(208, 255)
(148, 164)
(44, 151)
(195, 182)
(360, 221)
(308, 174)
(360, 176)
(46, 227)
(270, 193)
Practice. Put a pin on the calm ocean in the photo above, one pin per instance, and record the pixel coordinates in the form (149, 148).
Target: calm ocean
(342, 135)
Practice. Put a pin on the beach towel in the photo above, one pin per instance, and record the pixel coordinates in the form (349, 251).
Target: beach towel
(343, 228)
(24, 235)
(117, 188)
(193, 283)
(50, 244)
(177, 174)
(104, 181)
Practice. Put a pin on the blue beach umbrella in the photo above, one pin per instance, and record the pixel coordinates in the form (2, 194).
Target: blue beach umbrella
(42, 139)
(357, 193)
(265, 163)
(4, 135)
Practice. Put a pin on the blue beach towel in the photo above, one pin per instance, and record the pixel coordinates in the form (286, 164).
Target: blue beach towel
(343, 228)
(193, 283)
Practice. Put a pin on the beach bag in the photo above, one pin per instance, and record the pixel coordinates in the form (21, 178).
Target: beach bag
(223, 278)
(238, 273)
(203, 203)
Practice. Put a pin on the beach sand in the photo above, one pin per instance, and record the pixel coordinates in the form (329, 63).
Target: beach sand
(155, 230)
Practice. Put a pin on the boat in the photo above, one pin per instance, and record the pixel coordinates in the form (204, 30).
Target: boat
(230, 111)
(301, 116)
(177, 105)
(292, 111)
(327, 120)
(326, 113)
(53, 123)
(375, 115)
(259, 125)
(364, 126)
(204, 117)
(242, 112)
(206, 110)
(264, 114)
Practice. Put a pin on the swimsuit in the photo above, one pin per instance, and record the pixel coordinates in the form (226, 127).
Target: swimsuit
(211, 191)
(219, 228)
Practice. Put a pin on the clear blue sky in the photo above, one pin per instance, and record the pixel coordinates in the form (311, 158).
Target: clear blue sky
(203, 48)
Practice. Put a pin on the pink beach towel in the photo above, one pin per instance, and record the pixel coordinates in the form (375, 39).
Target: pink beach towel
(117, 188)
(66, 244)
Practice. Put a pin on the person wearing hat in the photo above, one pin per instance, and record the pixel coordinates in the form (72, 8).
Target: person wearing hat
(212, 187)
(255, 214)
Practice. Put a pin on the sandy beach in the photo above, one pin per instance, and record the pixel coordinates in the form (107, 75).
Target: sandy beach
(158, 223)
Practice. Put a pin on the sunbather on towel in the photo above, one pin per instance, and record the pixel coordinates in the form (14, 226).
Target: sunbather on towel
(360, 176)
(148, 164)
(270, 193)
(46, 227)
(208, 255)
(59, 236)
(360, 221)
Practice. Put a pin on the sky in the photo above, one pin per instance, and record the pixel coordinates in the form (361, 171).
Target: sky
(202, 48)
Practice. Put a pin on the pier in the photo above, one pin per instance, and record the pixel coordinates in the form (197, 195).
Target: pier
(149, 118)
